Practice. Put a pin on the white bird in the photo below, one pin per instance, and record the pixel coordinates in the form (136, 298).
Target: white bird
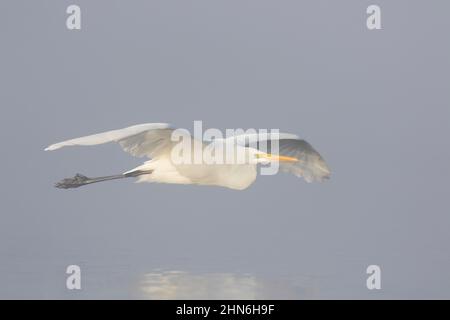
(155, 141)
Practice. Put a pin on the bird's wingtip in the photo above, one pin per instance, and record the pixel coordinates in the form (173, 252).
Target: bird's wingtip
(51, 148)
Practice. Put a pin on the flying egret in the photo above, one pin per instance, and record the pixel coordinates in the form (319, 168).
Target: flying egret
(155, 141)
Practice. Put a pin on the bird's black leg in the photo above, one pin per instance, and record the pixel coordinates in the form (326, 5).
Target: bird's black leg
(80, 180)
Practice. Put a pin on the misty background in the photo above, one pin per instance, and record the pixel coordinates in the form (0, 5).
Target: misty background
(375, 104)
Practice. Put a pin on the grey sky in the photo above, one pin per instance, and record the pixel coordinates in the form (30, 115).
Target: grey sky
(374, 103)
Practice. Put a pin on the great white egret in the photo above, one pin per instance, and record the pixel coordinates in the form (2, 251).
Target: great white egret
(155, 140)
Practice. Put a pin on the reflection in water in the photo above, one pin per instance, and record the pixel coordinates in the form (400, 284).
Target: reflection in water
(184, 285)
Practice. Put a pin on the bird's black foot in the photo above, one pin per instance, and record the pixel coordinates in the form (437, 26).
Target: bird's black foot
(75, 182)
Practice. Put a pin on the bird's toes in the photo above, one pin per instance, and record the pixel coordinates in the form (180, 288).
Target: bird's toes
(75, 182)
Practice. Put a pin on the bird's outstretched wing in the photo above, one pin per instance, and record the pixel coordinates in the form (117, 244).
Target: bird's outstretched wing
(148, 139)
(310, 165)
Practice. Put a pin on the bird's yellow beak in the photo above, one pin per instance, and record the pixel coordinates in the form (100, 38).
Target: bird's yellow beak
(276, 157)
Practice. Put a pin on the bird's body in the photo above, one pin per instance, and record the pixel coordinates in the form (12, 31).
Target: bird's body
(156, 141)
(225, 175)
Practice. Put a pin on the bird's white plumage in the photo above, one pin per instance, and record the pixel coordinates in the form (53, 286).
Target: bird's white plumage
(110, 136)
(154, 141)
